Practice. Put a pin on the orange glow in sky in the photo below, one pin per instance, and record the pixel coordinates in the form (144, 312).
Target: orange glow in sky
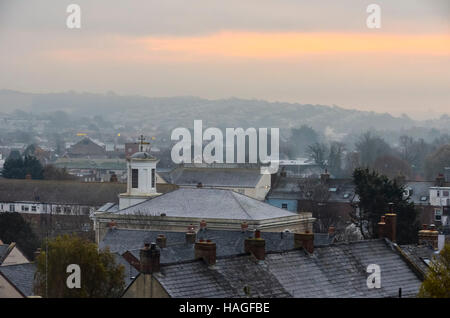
(254, 45)
(275, 45)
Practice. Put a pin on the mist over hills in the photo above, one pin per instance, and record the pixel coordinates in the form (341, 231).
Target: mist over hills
(167, 113)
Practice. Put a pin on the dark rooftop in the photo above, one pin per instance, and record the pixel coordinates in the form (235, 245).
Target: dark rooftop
(21, 276)
(337, 270)
(213, 177)
(228, 242)
(65, 192)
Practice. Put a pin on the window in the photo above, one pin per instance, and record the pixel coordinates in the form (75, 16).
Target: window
(12, 208)
(58, 209)
(438, 193)
(25, 208)
(445, 193)
(153, 178)
(33, 208)
(284, 206)
(437, 214)
(134, 178)
(67, 210)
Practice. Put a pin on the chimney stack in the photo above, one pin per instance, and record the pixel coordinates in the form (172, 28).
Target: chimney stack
(256, 246)
(324, 177)
(206, 250)
(191, 236)
(382, 227)
(429, 236)
(304, 240)
(112, 225)
(150, 257)
(391, 226)
(161, 240)
(331, 231)
(36, 254)
(440, 180)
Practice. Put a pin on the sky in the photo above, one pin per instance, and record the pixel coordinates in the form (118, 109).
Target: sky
(309, 52)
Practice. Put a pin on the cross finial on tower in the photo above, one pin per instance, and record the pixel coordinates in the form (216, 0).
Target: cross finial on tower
(142, 143)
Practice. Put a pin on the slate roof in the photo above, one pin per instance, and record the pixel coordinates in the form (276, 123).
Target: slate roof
(337, 270)
(228, 242)
(214, 177)
(86, 147)
(91, 164)
(207, 203)
(130, 272)
(303, 171)
(420, 189)
(4, 248)
(419, 254)
(65, 192)
(226, 279)
(341, 190)
(21, 276)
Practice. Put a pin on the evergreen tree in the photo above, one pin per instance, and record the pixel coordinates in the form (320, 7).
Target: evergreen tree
(18, 168)
(13, 168)
(13, 228)
(377, 196)
(33, 167)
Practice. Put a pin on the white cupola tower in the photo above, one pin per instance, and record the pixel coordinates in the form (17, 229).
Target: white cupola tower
(141, 178)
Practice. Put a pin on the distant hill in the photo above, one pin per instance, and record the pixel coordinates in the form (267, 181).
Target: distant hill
(171, 112)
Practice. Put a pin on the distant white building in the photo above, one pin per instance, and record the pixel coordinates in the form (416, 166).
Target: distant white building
(440, 199)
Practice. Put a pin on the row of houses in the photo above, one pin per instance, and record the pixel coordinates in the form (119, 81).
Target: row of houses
(287, 192)
(210, 263)
(206, 239)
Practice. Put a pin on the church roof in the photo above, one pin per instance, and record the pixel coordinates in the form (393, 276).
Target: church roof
(207, 203)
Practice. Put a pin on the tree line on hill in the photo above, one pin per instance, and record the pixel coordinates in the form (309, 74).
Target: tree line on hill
(414, 159)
